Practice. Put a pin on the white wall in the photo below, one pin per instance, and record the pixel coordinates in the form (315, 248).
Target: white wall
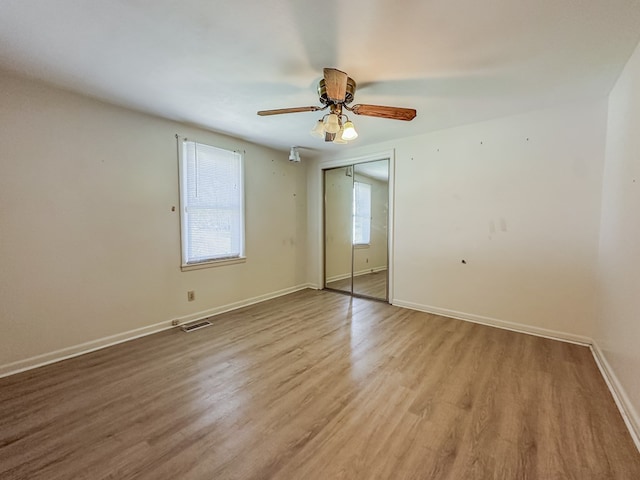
(518, 199)
(618, 327)
(89, 246)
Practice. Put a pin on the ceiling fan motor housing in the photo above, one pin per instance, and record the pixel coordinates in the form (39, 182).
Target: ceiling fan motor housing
(348, 98)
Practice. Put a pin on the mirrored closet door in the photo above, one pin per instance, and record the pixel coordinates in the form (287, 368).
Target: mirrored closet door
(356, 219)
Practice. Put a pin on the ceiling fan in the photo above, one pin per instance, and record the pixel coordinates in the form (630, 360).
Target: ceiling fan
(335, 92)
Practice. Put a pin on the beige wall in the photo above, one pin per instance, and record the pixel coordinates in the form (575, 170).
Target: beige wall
(618, 327)
(518, 199)
(89, 246)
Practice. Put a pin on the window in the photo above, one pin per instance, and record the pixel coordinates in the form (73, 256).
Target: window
(361, 213)
(212, 210)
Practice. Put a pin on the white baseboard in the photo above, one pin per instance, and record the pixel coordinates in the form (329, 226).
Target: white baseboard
(493, 322)
(80, 349)
(629, 414)
(342, 276)
(234, 306)
(367, 271)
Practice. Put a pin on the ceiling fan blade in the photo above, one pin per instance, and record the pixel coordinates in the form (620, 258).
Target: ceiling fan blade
(395, 113)
(288, 110)
(336, 84)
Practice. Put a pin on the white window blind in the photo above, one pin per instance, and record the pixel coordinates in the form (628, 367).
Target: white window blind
(212, 213)
(361, 213)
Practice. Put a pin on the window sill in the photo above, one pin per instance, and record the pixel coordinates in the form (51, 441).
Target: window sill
(361, 245)
(213, 263)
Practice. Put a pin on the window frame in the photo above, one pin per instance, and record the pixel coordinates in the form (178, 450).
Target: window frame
(185, 264)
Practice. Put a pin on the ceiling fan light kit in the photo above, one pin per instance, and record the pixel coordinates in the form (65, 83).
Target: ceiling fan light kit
(339, 138)
(318, 130)
(335, 91)
(332, 124)
(349, 131)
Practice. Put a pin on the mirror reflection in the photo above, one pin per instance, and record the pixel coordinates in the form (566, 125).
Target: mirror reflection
(370, 221)
(338, 195)
(356, 229)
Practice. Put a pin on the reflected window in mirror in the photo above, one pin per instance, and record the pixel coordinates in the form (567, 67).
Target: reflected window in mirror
(361, 213)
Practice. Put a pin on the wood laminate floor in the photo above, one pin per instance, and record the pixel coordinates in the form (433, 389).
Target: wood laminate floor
(317, 385)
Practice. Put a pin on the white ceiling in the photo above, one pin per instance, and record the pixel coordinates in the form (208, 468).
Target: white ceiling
(214, 63)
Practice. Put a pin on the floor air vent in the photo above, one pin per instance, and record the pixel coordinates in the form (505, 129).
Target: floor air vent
(195, 326)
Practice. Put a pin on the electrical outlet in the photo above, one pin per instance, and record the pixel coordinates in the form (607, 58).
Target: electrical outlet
(175, 323)
(191, 295)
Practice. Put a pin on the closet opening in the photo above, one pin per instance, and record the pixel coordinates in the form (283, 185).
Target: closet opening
(356, 229)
